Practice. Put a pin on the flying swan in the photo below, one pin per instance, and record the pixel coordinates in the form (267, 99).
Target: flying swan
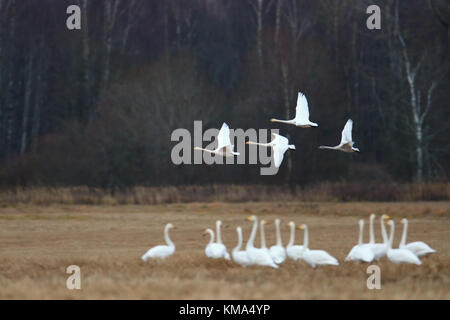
(162, 251)
(301, 114)
(347, 143)
(224, 146)
(279, 145)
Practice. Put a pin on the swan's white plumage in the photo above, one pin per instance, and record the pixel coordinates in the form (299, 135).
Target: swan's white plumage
(316, 257)
(294, 252)
(279, 145)
(301, 114)
(257, 256)
(161, 251)
(360, 252)
(419, 248)
(278, 252)
(399, 256)
(346, 144)
(214, 250)
(224, 146)
(240, 256)
(379, 249)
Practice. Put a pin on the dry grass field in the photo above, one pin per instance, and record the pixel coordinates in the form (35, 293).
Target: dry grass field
(38, 243)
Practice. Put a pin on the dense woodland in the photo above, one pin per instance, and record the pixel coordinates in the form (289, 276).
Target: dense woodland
(97, 106)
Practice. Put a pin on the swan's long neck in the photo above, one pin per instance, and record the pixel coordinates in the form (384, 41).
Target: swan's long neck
(292, 236)
(360, 238)
(263, 236)
(259, 144)
(211, 236)
(206, 150)
(306, 239)
(277, 227)
(283, 121)
(239, 244)
(251, 239)
(391, 238)
(372, 234)
(383, 231)
(166, 237)
(405, 231)
(218, 235)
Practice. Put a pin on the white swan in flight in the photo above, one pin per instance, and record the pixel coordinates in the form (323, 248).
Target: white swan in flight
(295, 252)
(379, 249)
(278, 252)
(257, 256)
(301, 114)
(347, 143)
(279, 145)
(162, 251)
(419, 248)
(226, 255)
(224, 146)
(240, 256)
(214, 250)
(399, 256)
(360, 252)
(316, 257)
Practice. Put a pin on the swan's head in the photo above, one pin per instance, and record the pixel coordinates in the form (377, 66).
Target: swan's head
(251, 218)
(372, 216)
(239, 229)
(390, 223)
(272, 120)
(264, 222)
(361, 222)
(197, 148)
(404, 220)
(169, 226)
(385, 216)
(207, 231)
(218, 223)
(291, 224)
(277, 221)
(302, 227)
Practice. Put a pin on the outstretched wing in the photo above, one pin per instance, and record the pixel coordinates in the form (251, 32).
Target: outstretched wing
(347, 132)
(279, 147)
(278, 139)
(302, 110)
(223, 138)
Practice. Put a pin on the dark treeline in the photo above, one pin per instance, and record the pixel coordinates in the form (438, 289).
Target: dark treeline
(97, 106)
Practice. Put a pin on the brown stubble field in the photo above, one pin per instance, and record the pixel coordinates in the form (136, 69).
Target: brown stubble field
(38, 243)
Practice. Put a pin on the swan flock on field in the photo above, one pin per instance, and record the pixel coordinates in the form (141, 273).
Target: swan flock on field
(277, 254)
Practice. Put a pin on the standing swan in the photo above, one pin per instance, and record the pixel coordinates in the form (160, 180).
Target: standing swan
(278, 252)
(226, 255)
(257, 256)
(399, 256)
(301, 114)
(316, 257)
(419, 248)
(214, 250)
(379, 249)
(240, 256)
(161, 251)
(295, 252)
(360, 252)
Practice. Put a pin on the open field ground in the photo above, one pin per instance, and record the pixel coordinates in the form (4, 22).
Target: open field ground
(38, 243)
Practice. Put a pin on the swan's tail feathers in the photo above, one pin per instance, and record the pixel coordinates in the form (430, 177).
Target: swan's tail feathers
(313, 124)
(291, 146)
